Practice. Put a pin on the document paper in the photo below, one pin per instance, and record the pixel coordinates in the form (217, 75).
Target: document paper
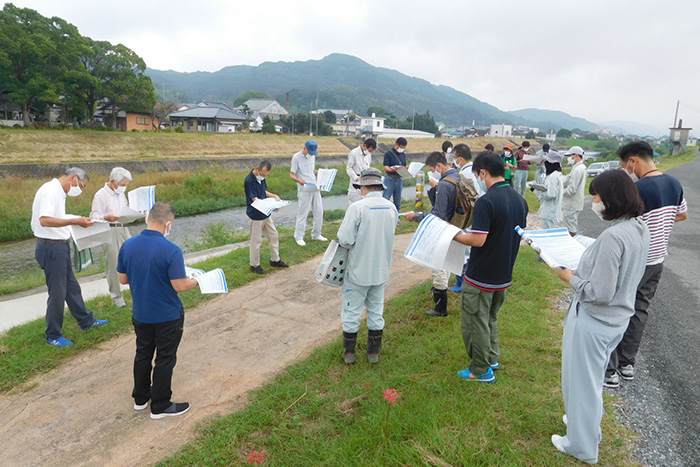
(90, 237)
(213, 281)
(433, 246)
(129, 215)
(555, 246)
(141, 199)
(267, 205)
(325, 179)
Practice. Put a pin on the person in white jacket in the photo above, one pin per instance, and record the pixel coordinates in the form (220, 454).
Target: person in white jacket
(359, 159)
(551, 197)
(574, 185)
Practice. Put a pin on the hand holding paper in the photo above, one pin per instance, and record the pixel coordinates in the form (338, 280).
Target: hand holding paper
(209, 282)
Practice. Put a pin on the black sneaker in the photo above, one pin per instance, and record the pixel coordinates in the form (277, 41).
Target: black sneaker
(612, 381)
(257, 269)
(175, 409)
(279, 264)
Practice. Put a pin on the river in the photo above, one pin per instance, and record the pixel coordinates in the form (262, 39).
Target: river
(19, 255)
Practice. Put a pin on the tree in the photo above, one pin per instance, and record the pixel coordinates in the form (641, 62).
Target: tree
(530, 135)
(563, 134)
(329, 116)
(268, 125)
(249, 95)
(162, 110)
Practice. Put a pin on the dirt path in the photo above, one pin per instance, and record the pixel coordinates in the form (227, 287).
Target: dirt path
(82, 413)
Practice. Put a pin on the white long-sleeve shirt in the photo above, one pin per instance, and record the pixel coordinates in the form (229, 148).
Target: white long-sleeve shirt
(574, 184)
(357, 162)
(106, 202)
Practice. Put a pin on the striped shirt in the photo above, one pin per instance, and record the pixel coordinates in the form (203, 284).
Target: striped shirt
(663, 200)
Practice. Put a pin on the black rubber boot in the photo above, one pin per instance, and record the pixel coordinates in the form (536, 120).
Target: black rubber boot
(349, 341)
(374, 344)
(440, 297)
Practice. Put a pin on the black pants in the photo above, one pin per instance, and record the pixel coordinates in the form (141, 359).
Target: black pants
(627, 349)
(54, 259)
(163, 339)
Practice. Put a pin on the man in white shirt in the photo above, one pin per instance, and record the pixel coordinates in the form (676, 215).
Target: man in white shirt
(574, 186)
(51, 228)
(303, 171)
(359, 159)
(108, 203)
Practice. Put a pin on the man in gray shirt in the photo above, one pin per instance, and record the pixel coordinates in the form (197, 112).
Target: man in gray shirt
(303, 171)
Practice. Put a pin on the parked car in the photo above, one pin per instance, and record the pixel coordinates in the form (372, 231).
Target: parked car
(614, 165)
(596, 168)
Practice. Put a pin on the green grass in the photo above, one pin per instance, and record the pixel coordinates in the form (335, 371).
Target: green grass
(322, 412)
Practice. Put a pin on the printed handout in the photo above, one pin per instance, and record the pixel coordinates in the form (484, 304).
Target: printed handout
(213, 281)
(129, 215)
(141, 199)
(90, 237)
(267, 205)
(555, 246)
(402, 171)
(325, 179)
(433, 246)
(415, 167)
(310, 186)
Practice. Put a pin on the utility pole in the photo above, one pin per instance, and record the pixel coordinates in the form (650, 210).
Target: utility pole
(675, 118)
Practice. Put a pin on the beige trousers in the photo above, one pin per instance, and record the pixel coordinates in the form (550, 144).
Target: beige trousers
(256, 230)
(118, 235)
(440, 279)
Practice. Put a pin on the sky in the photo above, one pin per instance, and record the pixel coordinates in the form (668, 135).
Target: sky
(602, 60)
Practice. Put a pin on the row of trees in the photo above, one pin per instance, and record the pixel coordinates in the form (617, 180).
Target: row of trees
(45, 61)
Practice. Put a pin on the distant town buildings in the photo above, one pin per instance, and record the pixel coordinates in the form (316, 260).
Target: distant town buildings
(501, 131)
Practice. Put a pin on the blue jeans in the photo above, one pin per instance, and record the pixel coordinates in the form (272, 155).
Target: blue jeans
(394, 187)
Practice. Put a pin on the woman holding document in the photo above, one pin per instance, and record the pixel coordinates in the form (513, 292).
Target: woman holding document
(605, 285)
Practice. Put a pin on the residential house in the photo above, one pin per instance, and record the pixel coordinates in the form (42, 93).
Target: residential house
(551, 136)
(371, 126)
(208, 117)
(259, 109)
(125, 121)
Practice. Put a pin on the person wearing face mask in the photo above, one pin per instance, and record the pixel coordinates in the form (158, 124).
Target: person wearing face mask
(522, 168)
(574, 186)
(550, 198)
(108, 202)
(154, 269)
(495, 245)
(510, 163)
(393, 181)
(51, 228)
(448, 151)
(368, 232)
(303, 170)
(664, 205)
(539, 161)
(444, 208)
(359, 159)
(256, 188)
(604, 285)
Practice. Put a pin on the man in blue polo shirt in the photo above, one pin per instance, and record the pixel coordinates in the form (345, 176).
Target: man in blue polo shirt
(495, 245)
(154, 268)
(256, 188)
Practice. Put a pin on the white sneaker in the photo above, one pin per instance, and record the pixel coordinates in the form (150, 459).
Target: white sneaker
(300, 241)
(565, 419)
(557, 442)
(320, 238)
(119, 303)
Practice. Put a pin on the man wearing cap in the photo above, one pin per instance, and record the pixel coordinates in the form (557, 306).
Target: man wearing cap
(359, 159)
(51, 227)
(393, 181)
(550, 197)
(304, 171)
(510, 163)
(574, 185)
(522, 168)
(108, 203)
(368, 232)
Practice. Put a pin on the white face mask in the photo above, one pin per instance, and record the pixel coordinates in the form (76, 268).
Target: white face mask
(259, 178)
(449, 150)
(482, 184)
(571, 161)
(598, 209)
(400, 150)
(168, 228)
(120, 190)
(75, 190)
(632, 175)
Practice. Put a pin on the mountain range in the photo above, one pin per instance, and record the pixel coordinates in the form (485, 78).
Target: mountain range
(345, 82)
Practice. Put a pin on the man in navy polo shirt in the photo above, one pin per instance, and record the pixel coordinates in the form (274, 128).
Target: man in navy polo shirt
(154, 268)
(256, 188)
(495, 245)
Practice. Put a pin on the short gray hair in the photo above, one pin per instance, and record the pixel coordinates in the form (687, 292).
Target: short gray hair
(120, 173)
(82, 175)
(161, 213)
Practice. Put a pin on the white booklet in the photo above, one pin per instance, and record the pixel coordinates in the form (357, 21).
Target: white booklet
(267, 205)
(403, 171)
(433, 245)
(141, 199)
(129, 215)
(90, 237)
(555, 246)
(213, 281)
(325, 179)
(415, 167)
(310, 186)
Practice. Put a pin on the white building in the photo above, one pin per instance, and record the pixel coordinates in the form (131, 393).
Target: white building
(394, 133)
(501, 131)
(551, 136)
(372, 126)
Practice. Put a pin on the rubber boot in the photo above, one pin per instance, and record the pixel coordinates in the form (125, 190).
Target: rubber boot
(458, 287)
(374, 344)
(440, 297)
(349, 341)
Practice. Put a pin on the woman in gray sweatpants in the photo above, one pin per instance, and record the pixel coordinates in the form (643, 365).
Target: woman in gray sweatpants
(605, 285)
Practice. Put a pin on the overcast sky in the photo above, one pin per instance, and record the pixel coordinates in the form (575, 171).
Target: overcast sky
(602, 60)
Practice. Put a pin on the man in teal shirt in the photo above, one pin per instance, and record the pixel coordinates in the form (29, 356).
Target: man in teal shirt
(368, 232)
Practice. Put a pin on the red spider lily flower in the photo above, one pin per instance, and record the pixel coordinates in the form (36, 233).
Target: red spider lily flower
(391, 396)
(256, 458)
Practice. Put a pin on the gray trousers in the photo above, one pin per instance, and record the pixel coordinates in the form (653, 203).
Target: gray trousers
(118, 235)
(548, 223)
(358, 297)
(309, 201)
(521, 181)
(571, 221)
(585, 350)
(480, 326)
(626, 352)
(54, 259)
